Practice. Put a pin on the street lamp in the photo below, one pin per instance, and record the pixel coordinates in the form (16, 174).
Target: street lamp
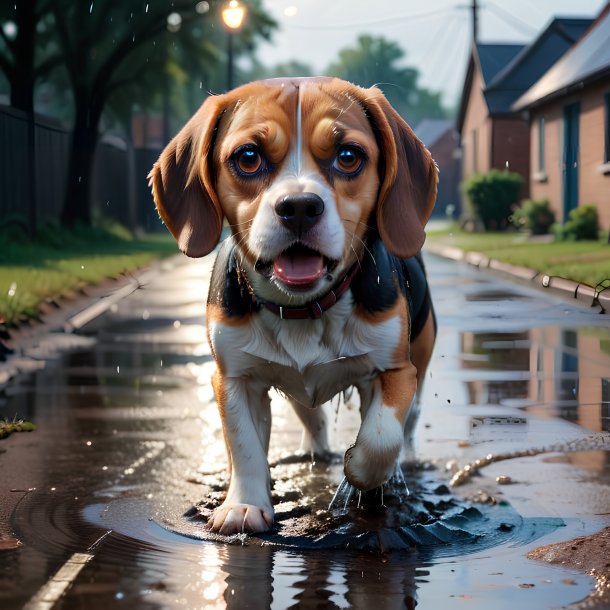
(233, 17)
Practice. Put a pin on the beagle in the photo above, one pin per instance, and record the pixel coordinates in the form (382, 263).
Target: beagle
(320, 286)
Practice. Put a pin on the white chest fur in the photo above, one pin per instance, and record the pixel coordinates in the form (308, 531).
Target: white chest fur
(309, 360)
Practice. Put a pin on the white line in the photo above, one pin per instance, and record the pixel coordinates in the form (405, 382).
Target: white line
(50, 593)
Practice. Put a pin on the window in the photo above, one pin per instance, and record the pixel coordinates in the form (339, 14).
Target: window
(541, 167)
(540, 173)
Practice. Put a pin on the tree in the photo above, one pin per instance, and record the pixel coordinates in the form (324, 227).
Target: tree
(25, 30)
(259, 71)
(107, 49)
(374, 61)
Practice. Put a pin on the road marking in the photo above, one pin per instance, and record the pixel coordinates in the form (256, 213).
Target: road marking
(50, 593)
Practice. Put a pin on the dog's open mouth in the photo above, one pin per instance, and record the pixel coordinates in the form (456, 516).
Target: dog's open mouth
(299, 266)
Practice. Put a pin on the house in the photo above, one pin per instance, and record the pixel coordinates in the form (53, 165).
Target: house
(440, 138)
(569, 113)
(492, 134)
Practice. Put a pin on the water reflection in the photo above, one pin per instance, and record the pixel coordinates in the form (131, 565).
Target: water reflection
(566, 370)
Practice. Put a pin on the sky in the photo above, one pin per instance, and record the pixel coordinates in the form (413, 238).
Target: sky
(435, 34)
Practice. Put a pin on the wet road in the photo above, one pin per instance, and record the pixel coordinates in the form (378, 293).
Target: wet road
(129, 439)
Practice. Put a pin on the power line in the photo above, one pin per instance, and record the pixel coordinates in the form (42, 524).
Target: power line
(385, 21)
(507, 17)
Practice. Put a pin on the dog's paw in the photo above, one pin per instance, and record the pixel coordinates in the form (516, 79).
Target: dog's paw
(229, 519)
(366, 471)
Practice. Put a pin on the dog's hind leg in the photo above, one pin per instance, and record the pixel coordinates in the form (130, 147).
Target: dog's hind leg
(315, 429)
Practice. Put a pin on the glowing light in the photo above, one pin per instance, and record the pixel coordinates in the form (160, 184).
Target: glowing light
(233, 15)
(174, 21)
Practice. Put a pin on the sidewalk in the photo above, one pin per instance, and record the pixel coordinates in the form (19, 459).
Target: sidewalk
(569, 289)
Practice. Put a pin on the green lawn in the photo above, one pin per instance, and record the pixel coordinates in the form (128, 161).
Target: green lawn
(587, 262)
(32, 272)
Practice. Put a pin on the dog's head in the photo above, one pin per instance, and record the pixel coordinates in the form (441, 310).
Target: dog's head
(302, 169)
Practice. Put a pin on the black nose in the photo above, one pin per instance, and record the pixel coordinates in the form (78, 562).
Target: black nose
(299, 212)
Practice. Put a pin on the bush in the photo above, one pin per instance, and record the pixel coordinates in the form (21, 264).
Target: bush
(493, 196)
(582, 223)
(535, 215)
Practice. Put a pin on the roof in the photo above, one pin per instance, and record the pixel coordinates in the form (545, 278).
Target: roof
(586, 62)
(489, 60)
(429, 131)
(509, 70)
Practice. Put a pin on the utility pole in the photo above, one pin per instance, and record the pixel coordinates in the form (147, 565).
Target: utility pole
(475, 22)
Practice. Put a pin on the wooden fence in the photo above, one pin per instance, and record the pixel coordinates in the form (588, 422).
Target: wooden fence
(33, 171)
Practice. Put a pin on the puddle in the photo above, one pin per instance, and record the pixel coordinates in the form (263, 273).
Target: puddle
(128, 460)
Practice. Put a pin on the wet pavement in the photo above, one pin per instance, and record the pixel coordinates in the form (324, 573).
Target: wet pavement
(103, 505)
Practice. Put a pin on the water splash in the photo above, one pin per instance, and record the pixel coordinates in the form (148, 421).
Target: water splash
(346, 492)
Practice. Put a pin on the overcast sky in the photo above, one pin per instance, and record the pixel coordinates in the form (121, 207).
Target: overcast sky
(435, 34)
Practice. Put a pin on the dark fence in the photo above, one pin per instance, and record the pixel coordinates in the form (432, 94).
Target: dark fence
(33, 168)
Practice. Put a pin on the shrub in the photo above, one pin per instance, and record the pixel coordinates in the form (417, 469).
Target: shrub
(535, 215)
(582, 223)
(492, 196)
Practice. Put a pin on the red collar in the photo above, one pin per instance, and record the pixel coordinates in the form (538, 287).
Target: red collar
(314, 309)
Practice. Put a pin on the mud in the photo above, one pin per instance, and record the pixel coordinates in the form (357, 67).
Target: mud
(588, 554)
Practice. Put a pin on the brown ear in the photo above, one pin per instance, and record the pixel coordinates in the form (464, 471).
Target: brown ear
(410, 177)
(182, 184)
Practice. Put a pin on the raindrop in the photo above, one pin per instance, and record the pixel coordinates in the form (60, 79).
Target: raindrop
(80, 178)
(118, 369)
(12, 289)
(146, 10)
(145, 314)
(91, 8)
(104, 467)
(177, 324)
(507, 166)
(82, 266)
(201, 84)
(119, 595)
(88, 443)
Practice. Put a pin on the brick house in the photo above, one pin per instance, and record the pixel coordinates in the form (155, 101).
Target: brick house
(492, 134)
(569, 114)
(440, 138)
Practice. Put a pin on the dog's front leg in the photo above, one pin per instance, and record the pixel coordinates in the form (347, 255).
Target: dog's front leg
(370, 461)
(246, 421)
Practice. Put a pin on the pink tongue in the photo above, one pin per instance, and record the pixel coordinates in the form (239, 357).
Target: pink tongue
(298, 269)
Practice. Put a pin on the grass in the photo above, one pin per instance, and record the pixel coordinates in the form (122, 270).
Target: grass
(17, 425)
(61, 262)
(587, 262)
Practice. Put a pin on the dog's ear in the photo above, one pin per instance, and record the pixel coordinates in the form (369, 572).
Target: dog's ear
(409, 179)
(182, 182)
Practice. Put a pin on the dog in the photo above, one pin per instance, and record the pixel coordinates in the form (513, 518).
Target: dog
(320, 286)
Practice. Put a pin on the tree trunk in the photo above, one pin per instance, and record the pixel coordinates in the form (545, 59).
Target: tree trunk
(22, 80)
(78, 204)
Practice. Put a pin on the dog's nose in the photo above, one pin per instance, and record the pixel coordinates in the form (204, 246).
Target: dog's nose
(299, 212)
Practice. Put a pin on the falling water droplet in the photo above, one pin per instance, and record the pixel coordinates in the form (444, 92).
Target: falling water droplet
(91, 8)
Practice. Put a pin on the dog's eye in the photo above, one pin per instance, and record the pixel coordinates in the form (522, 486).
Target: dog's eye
(248, 160)
(349, 160)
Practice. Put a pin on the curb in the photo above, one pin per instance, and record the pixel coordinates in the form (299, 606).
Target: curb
(583, 293)
(34, 344)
